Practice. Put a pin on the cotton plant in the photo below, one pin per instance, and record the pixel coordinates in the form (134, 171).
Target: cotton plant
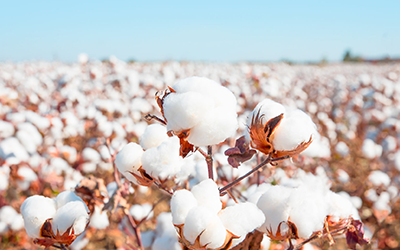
(57, 220)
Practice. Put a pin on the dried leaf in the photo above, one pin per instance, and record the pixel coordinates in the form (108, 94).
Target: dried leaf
(261, 134)
(240, 153)
(355, 235)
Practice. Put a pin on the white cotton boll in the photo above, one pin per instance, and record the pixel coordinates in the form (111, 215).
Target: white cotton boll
(197, 221)
(17, 223)
(80, 242)
(147, 238)
(207, 194)
(219, 124)
(296, 127)
(104, 152)
(371, 195)
(378, 178)
(342, 149)
(186, 110)
(26, 140)
(12, 147)
(320, 147)
(214, 234)
(35, 210)
(343, 176)
(389, 144)
(166, 243)
(182, 202)
(153, 136)
(340, 206)
(129, 159)
(393, 191)
(6, 129)
(67, 196)
(254, 195)
(163, 161)
(99, 218)
(73, 214)
(140, 212)
(268, 108)
(7, 214)
(83, 58)
(274, 205)
(382, 202)
(111, 188)
(27, 175)
(90, 154)
(370, 149)
(69, 153)
(241, 218)
(89, 167)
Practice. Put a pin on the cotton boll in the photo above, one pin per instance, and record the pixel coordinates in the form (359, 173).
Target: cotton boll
(104, 153)
(214, 234)
(370, 149)
(378, 178)
(371, 195)
(89, 167)
(268, 108)
(343, 176)
(342, 149)
(129, 159)
(153, 136)
(12, 147)
(197, 221)
(67, 196)
(73, 214)
(35, 210)
(274, 205)
(3, 228)
(7, 214)
(99, 219)
(241, 218)
(17, 223)
(80, 242)
(207, 194)
(163, 161)
(6, 129)
(339, 206)
(147, 238)
(182, 202)
(27, 175)
(69, 153)
(90, 154)
(166, 243)
(295, 128)
(254, 195)
(140, 212)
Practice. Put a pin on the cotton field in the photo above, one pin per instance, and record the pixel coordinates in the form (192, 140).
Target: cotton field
(184, 155)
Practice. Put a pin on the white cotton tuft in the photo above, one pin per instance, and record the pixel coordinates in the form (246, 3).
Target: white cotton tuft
(129, 159)
(35, 210)
(142, 211)
(343, 176)
(163, 161)
(91, 155)
(182, 202)
(207, 194)
(242, 218)
(72, 215)
(378, 178)
(214, 234)
(153, 136)
(68, 196)
(268, 108)
(342, 148)
(204, 107)
(274, 205)
(27, 175)
(295, 128)
(370, 149)
(99, 218)
(17, 223)
(7, 214)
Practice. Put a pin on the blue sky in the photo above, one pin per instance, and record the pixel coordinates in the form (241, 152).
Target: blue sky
(222, 31)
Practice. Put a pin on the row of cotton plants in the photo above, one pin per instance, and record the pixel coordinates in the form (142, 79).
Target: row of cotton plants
(147, 156)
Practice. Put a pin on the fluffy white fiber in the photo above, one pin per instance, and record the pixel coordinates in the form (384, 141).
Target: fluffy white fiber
(207, 194)
(74, 214)
(129, 159)
(153, 136)
(203, 106)
(181, 203)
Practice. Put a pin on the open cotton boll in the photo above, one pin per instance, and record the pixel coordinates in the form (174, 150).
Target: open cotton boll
(68, 196)
(370, 149)
(296, 127)
(99, 218)
(12, 147)
(378, 178)
(182, 202)
(198, 220)
(35, 210)
(214, 234)
(153, 136)
(140, 212)
(268, 109)
(207, 194)
(186, 110)
(163, 161)
(90, 154)
(7, 214)
(27, 175)
(129, 159)
(274, 205)
(240, 219)
(3, 228)
(6, 129)
(17, 223)
(166, 243)
(73, 214)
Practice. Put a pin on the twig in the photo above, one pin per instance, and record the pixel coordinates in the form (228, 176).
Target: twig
(209, 161)
(163, 188)
(150, 117)
(235, 182)
(116, 173)
(135, 230)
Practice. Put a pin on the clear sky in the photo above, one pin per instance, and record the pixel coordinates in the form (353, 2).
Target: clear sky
(223, 31)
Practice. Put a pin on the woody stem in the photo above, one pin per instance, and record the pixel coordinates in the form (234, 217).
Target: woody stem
(235, 182)
(209, 161)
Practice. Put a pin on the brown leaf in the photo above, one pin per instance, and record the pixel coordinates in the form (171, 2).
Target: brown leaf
(355, 235)
(240, 153)
(290, 153)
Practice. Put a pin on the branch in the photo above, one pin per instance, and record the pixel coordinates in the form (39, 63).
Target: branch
(149, 117)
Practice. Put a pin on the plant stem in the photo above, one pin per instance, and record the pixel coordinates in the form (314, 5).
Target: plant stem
(135, 230)
(235, 182)
(150, 117)
(209, 161)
